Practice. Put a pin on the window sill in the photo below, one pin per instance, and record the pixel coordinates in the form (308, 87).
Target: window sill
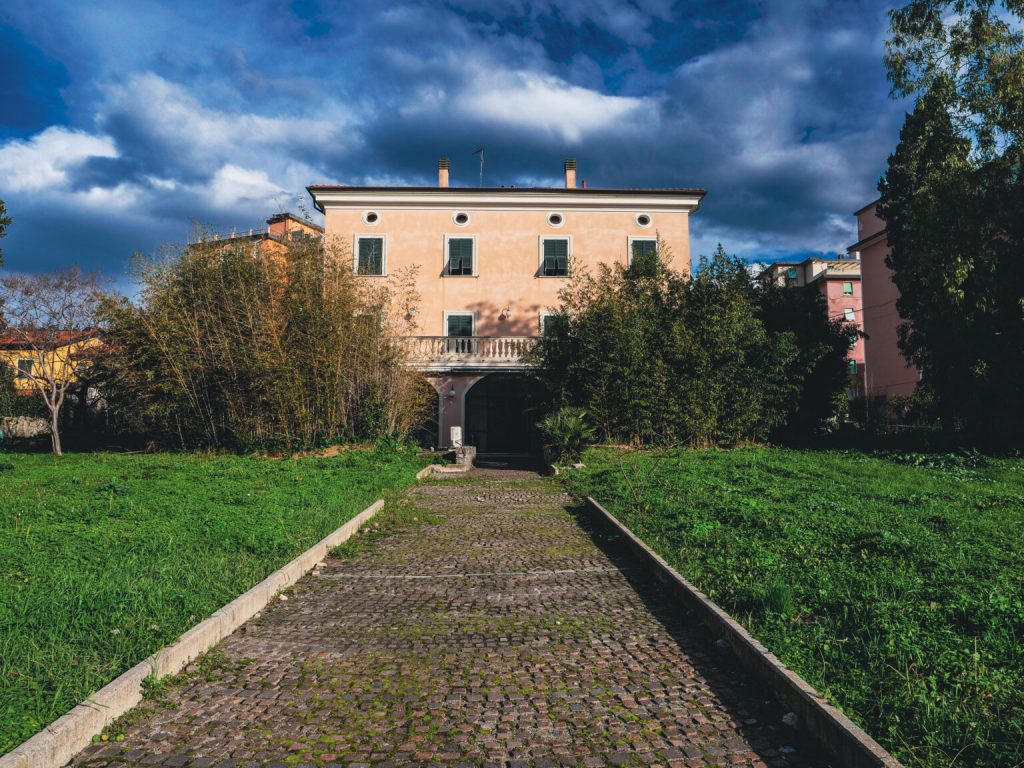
(364, 275)
(460, 276)
(552, 277)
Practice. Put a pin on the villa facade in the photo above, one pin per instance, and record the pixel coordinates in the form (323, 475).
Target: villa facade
(490, 264)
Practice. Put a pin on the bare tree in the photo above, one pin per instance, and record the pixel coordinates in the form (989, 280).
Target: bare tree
(53, 316)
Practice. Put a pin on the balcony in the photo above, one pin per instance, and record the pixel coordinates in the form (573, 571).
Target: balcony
(484, 353)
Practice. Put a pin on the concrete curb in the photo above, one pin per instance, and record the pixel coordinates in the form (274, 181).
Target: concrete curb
(847, 742)
(68, 735)
(441, 469)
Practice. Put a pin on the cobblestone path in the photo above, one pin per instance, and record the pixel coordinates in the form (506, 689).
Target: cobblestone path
(489, 627)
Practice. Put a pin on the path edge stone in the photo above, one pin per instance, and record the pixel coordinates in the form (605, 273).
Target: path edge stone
(843, 738)
(69, 734)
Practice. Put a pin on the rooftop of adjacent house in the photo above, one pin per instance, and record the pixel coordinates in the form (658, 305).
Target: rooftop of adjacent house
(44, 338)
(285, 217)
(845, 269)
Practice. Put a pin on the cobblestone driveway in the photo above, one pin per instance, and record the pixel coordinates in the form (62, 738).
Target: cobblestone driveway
(491, 630)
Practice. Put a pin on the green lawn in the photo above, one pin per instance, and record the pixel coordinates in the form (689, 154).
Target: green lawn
(104, 558)
(892, 582)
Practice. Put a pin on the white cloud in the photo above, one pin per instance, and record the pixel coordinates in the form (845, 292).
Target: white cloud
(545, 103)
(164, 113)
(44, 160)
(232, 186)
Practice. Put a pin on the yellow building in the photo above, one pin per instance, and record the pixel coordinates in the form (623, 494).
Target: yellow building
(46, 355)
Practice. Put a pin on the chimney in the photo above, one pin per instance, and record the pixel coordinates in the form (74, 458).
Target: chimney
(570, 173)
(442, 171)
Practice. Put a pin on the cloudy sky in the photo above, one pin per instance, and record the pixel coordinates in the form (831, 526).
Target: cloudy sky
(122, 122)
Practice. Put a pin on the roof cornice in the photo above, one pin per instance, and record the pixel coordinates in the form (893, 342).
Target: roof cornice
(512, 198)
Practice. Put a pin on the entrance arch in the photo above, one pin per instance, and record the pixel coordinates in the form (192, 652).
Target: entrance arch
(502, 411)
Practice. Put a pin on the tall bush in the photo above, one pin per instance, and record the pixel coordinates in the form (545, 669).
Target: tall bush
(655, 355)
(232, 345)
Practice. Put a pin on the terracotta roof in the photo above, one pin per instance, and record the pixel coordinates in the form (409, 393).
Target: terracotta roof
(9, 340)
(462, 190)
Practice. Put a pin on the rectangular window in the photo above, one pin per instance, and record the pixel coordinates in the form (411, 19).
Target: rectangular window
(848, 315)
(545, 321)
(369, 255)
(791, 274)
(847, 289)
(459, 328)
(643, 248)
(554, 257)
(851, 366)
(25, 367)
(460, 256)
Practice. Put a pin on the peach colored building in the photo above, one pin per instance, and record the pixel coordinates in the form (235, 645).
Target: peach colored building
(491, 262)
(886, 371)
(839, 281)
(280, 228)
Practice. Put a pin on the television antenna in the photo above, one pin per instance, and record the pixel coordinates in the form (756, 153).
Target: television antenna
(480, 151)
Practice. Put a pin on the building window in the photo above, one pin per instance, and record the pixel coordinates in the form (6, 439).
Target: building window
(459, 327)
(851, 366)
(791, 275)
(370, 255)
(461, 218)
(460, 256)
(847, 289)
(545, 321)
(371, 217)
(643, 248)
(554, 256)
(849, 315)
(555, 219)
(643, 220)
(25, 368)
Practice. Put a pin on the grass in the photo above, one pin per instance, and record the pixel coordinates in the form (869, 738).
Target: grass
(892, 582)
(105, 558)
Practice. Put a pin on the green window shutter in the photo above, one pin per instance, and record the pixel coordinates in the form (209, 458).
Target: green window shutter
(460, 325)
(460, 256)
(645, 250)
(848, 289)
(556, 258)
(371, 256)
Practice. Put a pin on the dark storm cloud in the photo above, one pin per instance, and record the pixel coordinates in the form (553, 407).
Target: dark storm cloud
(224, 113)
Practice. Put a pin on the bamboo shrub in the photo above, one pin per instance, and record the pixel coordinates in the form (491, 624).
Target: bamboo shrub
(231, 344)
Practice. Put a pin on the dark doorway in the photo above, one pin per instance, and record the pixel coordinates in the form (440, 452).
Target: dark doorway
(428, 433)
(502, 411)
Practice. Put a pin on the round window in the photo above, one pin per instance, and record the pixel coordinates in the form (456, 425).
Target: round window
(371, 217)
(461, 218)
(555, 219)
(643, 220)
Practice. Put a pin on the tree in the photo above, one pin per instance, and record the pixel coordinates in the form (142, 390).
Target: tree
(5, 222)
(953, 202)
(972, 51)
(234, 346)
(54, 317)
(716, 359)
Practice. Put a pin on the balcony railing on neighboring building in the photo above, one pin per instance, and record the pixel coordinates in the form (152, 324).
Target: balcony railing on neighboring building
(433, 353)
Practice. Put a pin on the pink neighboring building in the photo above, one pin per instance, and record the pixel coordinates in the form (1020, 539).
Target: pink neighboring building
(839, 281)
(887, 372)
